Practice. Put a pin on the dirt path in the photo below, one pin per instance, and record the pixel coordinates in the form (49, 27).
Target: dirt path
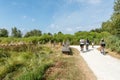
(104, 67)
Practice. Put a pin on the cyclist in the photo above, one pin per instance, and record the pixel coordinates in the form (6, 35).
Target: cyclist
(82, 42)
(102, 44)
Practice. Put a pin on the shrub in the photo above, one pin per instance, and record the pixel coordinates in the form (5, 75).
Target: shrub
(113, 43)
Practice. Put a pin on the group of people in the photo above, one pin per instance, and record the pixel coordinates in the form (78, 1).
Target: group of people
(87, 43)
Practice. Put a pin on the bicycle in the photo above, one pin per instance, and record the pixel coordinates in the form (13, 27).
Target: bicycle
(102, 50)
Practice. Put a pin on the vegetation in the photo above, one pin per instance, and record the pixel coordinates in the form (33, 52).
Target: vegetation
(27, 58)
(113, 43)
(33, 33)
(29, 63)
(16, 33)
(3, 33)
(69, 67)
(113, 26)
(35, 62)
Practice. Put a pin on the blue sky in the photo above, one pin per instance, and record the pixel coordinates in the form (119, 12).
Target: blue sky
(67, 16)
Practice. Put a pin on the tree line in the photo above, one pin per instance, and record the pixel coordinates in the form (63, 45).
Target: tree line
(18, 34)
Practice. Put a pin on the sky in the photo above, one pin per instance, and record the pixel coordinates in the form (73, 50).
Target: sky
(67, 16)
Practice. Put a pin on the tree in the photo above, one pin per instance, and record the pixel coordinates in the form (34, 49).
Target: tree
(117, 7)
(34, 32)
(59, 33)
(98, 30)
(107, 26)
(16, 33)
(50, 34)
(3, 33)
(113, 25)
(116, 18)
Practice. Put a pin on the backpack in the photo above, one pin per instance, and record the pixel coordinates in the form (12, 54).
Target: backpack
(103, 44)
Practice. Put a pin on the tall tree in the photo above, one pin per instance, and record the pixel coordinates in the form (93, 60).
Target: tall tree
(34, 32)
(16, 33)
(3, 33)
(116, 18)
(117, 7)
(113, 25)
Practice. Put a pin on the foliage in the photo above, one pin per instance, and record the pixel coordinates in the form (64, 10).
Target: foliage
(34, 32)
(98, 30)
(113, 43)
(16, 33)
(92, 36)
(24, 65)
(3, 33)
(113, 25)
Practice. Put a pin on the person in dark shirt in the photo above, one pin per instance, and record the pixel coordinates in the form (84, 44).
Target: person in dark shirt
(87, 44)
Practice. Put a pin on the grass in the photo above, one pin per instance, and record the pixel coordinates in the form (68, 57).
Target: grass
(69, 67)
(43, 62)
(24, 64)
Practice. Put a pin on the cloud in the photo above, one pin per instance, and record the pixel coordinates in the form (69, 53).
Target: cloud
(75, 21)
(65, 22)
(28, 18)
(69, 29)
(33, 19)
(24, 17)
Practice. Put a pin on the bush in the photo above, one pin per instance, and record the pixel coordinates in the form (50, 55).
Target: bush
(113, 43)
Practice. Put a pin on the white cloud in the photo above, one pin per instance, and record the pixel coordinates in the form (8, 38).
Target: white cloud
(69, 29)
(33, 19)
(65, 22)
(82, 19)
(24, 17)
(73, 22)
(28, 18)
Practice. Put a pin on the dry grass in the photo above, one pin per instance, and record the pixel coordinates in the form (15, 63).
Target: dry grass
(113, 54)
(69, 67)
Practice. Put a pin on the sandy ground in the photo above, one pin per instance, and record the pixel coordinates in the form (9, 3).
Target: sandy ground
(104, 67)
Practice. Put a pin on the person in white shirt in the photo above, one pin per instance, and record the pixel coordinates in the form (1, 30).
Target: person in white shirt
(82, 43)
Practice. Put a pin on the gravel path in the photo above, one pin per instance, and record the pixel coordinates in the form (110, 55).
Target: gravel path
(104, 67)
